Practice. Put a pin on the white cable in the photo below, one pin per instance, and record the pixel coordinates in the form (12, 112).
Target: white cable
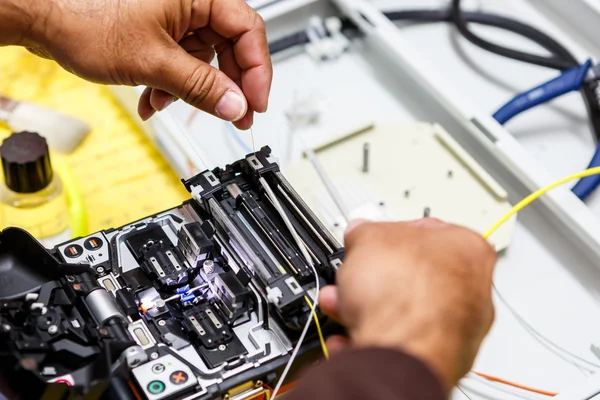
(292, 230)
(302, 336)
(333, 192)
(546, 342)
(463, 392)
(286, 220)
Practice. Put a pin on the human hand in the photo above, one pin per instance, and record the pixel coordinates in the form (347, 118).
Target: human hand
(422, 287)
(165, 45)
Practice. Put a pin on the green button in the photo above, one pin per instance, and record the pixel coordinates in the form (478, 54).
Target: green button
(156, 387)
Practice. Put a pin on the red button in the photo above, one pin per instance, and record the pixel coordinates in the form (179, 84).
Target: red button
(178, 378)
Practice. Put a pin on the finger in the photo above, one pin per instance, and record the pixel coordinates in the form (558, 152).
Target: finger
(354, 224)
(198, 84)
(336, 344)
(236, 20)
(246, 122)
(145, 109)
(428, 223)
(39, 52)
(159, 99)
(227, 62)
(198, 48)
(352, 231)
(329, 302)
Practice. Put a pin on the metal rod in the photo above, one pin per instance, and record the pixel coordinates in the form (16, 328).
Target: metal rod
(365, 165)
(327, 182)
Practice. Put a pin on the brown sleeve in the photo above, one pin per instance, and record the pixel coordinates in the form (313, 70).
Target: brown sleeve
(369, 374)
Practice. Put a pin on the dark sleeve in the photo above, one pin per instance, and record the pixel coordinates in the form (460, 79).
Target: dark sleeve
(369, 374)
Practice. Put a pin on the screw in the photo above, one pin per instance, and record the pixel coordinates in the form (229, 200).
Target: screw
(162, 322)
(222, 347)
(258, 384)
(100, 270)
(70, 278)
(365, 167)
(208, 266)
(154, 356)
(52, 329)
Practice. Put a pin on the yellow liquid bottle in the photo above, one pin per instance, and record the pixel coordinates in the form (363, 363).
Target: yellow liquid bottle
(32, 196)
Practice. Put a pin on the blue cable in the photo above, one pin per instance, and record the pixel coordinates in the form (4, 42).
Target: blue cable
(586, 186)
(569, 81)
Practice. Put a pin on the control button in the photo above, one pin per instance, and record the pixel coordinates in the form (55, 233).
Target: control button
(93, 243)
(156, 387)
(178, 377)
(73, 251)
(158, 368)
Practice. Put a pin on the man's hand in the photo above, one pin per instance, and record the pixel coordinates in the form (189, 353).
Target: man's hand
(166, 45)
(422, 287)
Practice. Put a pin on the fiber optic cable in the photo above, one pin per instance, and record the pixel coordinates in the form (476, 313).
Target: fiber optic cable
(513, 384)
(236, 136)
(568, 81)
(580, 363)
(319, 331)
(536, 195)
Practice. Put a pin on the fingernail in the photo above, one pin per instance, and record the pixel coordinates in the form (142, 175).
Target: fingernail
(148, 116)
(167, 103)
(232, 106)
(355, 224)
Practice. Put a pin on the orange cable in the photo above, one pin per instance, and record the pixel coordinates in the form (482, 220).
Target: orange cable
(516, 385)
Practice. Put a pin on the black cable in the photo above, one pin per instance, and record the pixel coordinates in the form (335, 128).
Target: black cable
(565, 59)
(569, 61)
(496, 21)
(561, 58)
(461, 23)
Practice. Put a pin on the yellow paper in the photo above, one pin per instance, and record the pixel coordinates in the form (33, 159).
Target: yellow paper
(119, 173)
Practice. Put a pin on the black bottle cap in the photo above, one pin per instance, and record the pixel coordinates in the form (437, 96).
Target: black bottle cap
(26, 162)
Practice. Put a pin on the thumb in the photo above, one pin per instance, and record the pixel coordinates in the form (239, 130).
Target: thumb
(200, 85)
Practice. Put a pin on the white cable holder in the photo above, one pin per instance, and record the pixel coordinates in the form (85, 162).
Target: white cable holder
(326, 40)
(334, 27)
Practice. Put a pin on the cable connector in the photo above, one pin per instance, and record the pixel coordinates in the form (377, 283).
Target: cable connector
(334, 27)
(326, 40)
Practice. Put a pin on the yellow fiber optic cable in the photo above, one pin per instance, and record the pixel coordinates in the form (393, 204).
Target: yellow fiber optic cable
(537, 194)
(321, 337)
(521, 205)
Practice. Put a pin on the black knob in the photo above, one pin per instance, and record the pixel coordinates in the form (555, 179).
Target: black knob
(26, 162)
